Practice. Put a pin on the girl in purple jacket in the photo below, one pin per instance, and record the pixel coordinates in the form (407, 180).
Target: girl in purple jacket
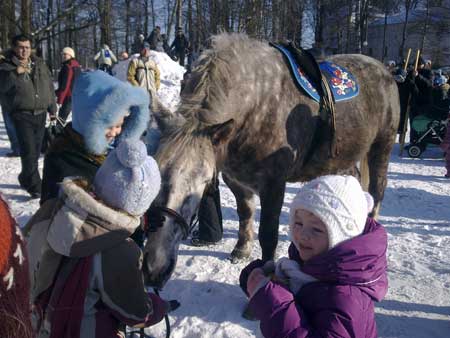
(335, 271)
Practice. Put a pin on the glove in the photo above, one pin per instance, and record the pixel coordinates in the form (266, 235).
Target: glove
(256, 280)
(290, 271)
(161, 307)
(245, 273)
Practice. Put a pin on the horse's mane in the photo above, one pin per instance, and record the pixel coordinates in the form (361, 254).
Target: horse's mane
(205, 100)
(205, 97)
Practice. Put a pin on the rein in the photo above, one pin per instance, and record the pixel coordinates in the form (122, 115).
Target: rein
(156, 220)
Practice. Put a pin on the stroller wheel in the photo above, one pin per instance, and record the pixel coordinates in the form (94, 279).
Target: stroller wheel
(414, 151)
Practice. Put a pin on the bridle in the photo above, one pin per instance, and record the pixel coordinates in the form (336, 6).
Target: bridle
(156, 217)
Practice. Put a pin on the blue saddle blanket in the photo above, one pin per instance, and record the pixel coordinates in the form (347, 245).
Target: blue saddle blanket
(342, 83)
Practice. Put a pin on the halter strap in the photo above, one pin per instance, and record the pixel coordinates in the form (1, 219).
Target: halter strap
(175, 215)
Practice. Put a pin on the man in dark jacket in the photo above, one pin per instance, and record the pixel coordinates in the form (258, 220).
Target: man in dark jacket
(421, 96)
(180, 43)
(70, 69)
(154, 38)
(26, 83)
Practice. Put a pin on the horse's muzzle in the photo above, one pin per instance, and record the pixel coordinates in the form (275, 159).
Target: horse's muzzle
(157, 279)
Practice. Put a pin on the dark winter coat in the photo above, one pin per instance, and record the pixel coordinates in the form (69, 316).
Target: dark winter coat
(441, 102)
(405, 89)
(67, 156)
(180, 43)
(31, 92)
(70, 69)
(422, 93)
(153, 39)
(351, 276)
(87, 278)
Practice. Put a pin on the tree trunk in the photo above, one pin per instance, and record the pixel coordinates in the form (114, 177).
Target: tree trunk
(49, 45)
(7, 22)
(189, 22)
(425, 27)
(179, 19)
(358, 26)
(320, 18)
(172, 16)
(127, 24)
(349, 25)
(405, 25)
(104, 10)
(152, 2)
(146, 16)
(383, 50)
(25, 16)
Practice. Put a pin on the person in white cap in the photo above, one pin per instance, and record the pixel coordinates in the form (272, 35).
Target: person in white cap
(70, 69)
(335, 271)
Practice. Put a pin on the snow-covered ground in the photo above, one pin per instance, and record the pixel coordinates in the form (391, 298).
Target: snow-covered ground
(416, 213)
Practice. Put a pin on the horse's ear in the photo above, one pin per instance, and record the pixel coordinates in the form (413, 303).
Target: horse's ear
(220, 133)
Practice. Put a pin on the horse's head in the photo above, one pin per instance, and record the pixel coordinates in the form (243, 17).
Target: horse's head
(188, 160)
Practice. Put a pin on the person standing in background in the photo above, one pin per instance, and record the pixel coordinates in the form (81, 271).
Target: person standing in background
(180, 44)
(144, 72)
(154, 38)
(105, 59)
(70, 70)
(26, 84)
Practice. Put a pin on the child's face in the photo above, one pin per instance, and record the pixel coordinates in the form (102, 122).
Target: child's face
(112, 132)
(309, 234)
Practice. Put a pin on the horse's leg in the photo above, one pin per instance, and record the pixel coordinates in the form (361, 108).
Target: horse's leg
(378, 160)
(246, 210)
(271, 197)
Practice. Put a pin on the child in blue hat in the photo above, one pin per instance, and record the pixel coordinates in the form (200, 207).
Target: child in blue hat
(103, 108)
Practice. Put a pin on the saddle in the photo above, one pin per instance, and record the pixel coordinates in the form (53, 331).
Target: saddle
(325, 83)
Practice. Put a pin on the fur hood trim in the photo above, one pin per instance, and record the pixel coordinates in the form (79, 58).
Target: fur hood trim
(82, 225)
(99, 101)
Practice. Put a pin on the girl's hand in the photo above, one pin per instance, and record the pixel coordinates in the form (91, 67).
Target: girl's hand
(256, 280)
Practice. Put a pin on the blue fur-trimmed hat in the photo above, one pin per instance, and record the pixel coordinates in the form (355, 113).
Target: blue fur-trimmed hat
(99, 101)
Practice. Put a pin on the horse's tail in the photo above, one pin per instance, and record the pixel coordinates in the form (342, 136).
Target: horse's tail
(364, 172)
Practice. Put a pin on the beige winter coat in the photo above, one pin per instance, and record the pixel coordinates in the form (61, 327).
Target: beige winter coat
(144, 73)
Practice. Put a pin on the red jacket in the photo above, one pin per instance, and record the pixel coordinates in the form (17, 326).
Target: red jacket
(67, 75)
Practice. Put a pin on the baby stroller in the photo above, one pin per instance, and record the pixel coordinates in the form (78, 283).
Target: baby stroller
(429, 131)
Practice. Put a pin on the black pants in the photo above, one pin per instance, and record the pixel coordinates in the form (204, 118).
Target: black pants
(181, 56)
(210, 226)
(65, 109)
(106, 68)
(30, 132)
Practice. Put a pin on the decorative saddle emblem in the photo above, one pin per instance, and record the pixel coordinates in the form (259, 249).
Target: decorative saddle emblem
(342, 83)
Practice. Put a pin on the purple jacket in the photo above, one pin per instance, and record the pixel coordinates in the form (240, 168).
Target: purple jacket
(351, 277)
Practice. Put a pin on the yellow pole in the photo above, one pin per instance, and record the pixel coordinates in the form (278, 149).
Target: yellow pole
(417, 60)
(405, 124)
(405, 66)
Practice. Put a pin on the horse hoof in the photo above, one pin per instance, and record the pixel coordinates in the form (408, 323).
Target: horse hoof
(239, 255)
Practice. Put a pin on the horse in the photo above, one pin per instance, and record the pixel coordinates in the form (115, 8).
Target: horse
(242, 115)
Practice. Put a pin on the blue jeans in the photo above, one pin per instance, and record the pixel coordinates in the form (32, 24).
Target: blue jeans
(11, 131)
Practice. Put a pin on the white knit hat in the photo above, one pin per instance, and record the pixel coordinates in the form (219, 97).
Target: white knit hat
(69, 51)
(339, 202)
(129, 179)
